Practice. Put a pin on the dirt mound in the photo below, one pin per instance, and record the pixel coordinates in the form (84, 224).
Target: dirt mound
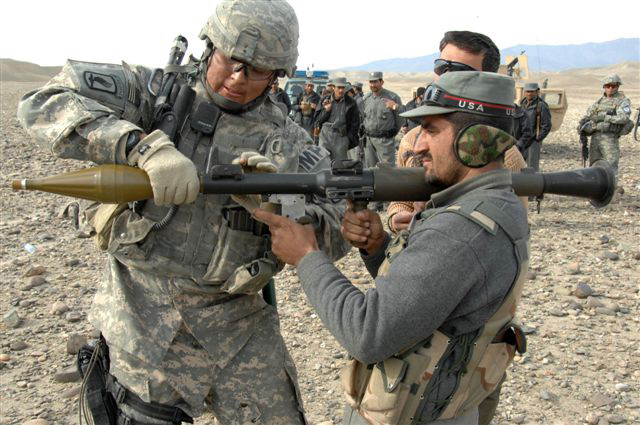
(12, 70)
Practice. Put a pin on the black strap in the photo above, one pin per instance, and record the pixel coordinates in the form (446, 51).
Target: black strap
(154, 410)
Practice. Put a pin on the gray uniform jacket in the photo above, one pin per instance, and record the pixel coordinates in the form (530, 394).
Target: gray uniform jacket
(452, 276)
(187, 272)
(380, 121)
(537, 120)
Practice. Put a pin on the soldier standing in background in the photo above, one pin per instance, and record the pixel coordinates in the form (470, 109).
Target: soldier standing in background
(410, 124)
(537, 124)
(280, 96)
(305, 109)
(381, 116)
(359, 96)
(607, 120)
(338, 121)
(179, 305)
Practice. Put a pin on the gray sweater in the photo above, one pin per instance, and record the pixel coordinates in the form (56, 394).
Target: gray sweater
(452, 276)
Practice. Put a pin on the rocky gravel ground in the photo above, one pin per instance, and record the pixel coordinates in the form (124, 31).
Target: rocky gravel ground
(579, 307)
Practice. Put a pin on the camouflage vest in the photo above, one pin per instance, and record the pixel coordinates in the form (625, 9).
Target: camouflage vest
(396, 391)
(609, 105)
(213, 240)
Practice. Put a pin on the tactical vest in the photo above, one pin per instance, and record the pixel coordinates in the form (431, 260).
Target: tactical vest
(212, 240)
(403, 389)
(609, 106)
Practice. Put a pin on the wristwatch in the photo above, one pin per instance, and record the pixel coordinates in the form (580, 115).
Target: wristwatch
(132, 142)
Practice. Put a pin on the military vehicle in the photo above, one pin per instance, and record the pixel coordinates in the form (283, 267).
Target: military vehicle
(295, 85)
(518, 68)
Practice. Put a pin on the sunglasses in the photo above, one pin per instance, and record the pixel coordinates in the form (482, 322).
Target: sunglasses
(251, 72)
(441, 66)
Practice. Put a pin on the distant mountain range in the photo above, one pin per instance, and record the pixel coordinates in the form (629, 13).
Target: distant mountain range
(541, 57)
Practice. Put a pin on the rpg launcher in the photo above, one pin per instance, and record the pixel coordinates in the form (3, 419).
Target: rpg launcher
(346, 180)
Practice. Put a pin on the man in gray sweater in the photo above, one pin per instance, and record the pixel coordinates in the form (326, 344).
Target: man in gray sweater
(435, 335)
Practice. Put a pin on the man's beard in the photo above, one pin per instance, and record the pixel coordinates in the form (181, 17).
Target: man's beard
(430, 177)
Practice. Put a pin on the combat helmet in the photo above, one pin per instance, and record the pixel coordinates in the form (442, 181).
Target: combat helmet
(612, 79)
(263, 34)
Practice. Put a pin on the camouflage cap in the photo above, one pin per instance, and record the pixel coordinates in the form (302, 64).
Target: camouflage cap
(340, 82)
(476, 92)
(330, 82)
(479, 144)
(612, 79)
(531, 87)
(310, 81)
(358, 85)
(373, 76)
(261, 33)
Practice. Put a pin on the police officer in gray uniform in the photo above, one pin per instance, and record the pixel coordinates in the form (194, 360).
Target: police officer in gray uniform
(179, 305)
(382, 121)
(339, 121)
(537, 123)
(436, 334)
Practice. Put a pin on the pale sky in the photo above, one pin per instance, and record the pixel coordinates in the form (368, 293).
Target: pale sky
(333, 33)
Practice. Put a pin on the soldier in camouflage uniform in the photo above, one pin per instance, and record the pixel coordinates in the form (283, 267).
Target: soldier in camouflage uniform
(179, 305)
(606, 120)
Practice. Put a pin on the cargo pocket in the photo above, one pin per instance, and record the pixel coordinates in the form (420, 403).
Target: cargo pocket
(234, 250)
(386, 394)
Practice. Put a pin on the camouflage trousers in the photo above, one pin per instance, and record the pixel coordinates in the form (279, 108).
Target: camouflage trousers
(605, 146)
(258, 386)
(380, 149)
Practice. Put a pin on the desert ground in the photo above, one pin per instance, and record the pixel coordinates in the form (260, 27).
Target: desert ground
(580, 305)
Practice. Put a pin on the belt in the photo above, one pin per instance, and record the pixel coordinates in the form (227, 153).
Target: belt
(341, 131)
(386, 134)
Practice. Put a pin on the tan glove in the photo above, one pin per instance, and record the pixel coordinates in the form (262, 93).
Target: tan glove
(174, 178)
(253, 162)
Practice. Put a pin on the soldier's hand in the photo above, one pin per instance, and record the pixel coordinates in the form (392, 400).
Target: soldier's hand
(173, 177)
(598, 118)
(327, 105)
(363, 229)
(257, 163)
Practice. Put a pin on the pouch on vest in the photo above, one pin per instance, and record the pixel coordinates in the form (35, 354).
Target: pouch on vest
(101, 218)
(251, 278)
(626, 127)
(381, 392)
(128, 230)
(231, 262)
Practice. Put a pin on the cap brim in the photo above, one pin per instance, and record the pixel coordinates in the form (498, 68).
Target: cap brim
(424, 110)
